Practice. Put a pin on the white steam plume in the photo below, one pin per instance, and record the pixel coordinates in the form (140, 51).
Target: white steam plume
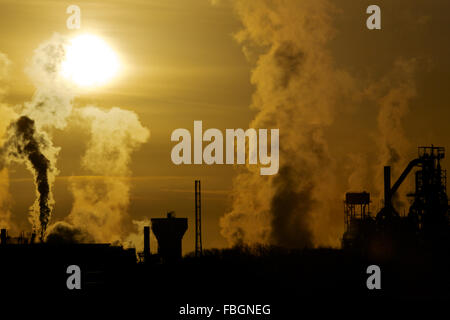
(101, 206)
(297, 89)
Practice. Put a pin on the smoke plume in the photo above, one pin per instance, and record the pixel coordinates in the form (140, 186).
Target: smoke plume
(297, 89)
(100, 205)
(135, 239)
(62, 232)
(51, 103)
(25, 145)
(25, 140)
(393, 94)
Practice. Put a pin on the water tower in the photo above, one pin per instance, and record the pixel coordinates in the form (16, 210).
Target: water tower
(169, 232)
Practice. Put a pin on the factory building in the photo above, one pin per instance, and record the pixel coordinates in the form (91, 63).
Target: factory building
(427, 222)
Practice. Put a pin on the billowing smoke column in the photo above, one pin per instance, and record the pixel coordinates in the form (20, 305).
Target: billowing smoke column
(101, 203)
(63, 232)
(395, 92)
(297, 88)
(392, 95)
(24, 139)
(51, 104)
(135, 239)
(25, 145)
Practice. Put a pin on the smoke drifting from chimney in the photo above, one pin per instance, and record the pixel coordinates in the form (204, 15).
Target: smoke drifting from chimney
(24, 145)
(393, 95)
(100, 205)
(25, 140)
(136, 239)
(63, 232)
(51, 103)
(297, 89)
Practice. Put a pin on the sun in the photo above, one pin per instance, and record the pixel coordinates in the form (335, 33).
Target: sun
(89, 61)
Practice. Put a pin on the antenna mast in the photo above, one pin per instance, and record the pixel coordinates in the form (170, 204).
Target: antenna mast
(198, 219)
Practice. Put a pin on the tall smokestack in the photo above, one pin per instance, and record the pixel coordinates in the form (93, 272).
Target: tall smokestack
(3, 236)
(146, 243)
(198, 219)
(387, 186)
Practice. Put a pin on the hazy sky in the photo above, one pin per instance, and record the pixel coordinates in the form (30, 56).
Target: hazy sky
(181, 62)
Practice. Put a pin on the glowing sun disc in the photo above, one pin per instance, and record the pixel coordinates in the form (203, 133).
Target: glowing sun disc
(89, 61)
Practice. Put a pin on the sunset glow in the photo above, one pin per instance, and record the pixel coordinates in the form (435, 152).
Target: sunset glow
(89, 61)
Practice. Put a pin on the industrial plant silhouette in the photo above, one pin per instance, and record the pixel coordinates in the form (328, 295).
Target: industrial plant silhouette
(412, 251)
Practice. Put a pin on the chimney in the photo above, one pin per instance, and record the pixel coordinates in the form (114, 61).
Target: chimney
(33, 237)
(387, 186)
(169, 233)
(3, 236)
(146, 243)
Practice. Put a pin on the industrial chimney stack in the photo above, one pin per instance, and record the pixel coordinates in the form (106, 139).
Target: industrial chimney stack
(3, 236)
(198, 219)
(387, 188)
(146, 243)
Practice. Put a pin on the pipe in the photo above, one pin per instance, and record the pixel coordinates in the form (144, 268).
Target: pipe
(3, 236)
(146, 243)
(387, 187)
(404, 174)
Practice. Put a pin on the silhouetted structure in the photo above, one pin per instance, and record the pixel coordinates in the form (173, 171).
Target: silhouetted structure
(42, 265)
(169, 233)
(429, 210)
(427, 221)
(3, 236)
(146, 244)
(269, 273)
(359, 224)
(198, 219)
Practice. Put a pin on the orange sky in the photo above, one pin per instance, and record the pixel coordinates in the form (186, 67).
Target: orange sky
(181, 63)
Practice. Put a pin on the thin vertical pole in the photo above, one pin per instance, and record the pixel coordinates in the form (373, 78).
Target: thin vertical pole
(198, 219)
